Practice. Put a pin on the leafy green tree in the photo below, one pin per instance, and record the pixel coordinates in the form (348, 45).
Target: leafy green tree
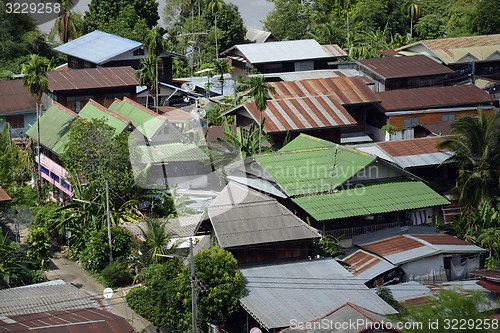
(94, 152)
(156, 45)
(289, 20)
(475, 144)
(14, 269)
(431, 26)
(146, 75)
(487, 14)
(447, 304)
(222, 67)
(122, 17)
(215, 6)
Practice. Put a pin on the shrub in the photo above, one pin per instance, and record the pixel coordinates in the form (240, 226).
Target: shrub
(139, 299)
(39, 246)
(95, 255)
(121, 241)
(116, 274)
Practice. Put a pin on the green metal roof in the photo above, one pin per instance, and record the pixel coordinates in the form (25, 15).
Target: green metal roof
(54, 124)
(313, 170)
(304, 141)
(96, 111)
(173, 152)
(144, 120)
(371, 199)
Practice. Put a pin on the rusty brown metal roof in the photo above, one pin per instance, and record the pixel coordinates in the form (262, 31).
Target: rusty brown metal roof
(334, 50)
(15, 98)
(393, 245)
(67, 321)
(314, 103)
(4, 196)
(92, 78)
(360, 261)
(440, 239)
(435, 97)
(440, 128)
(419, 146)
(404, 67)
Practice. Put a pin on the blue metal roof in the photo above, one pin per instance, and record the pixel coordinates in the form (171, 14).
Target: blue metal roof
(98, 47)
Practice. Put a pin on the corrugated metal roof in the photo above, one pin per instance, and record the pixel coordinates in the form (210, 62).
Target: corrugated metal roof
(93, 110)
(15, 98)
(408, 290)
(291, 50)
(370, 199)
(54, 124)
(366, 266)
(347, 313)
(74, 321)
(460, 49)
(411, 247)
(4, 196)
(258, 36)
(334, 50)
(304, 141)
(315, 74)
(313, 170)
(98, 47)
(44, 297)
(241, 216)
(172, 152)
(144, 120)
(404, 67)
(434, 97)
(304, 291)
(92, 78)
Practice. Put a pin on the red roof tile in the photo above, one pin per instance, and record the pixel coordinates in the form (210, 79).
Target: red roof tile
(15, 98)
(4, 196)
(434, 97)
(404, 67)
(410, 147)
(92, 78)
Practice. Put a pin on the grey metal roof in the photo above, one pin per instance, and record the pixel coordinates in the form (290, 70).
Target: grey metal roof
(413, 161)
(241, 216)
(316, 74)
(408, 290)
(257, 36)
(98, 47)
(56, 295)
(292, 50)
(303, 291)
(171, 152)
(348, 313)
(183, 226)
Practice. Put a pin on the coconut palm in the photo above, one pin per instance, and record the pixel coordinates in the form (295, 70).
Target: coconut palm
(222, 67)
(156, 45)
(215, 6)
(260, 92)
(413, 12)
(475, 144)
(36, 81)
(156, 239)
(64, 25)
(146, 75)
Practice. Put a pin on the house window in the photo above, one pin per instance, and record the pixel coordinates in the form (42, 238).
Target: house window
(410, 122)
(138, 52)
(15, 121)
(448, 117)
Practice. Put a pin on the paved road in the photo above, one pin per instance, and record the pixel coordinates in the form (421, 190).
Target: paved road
(69, 271)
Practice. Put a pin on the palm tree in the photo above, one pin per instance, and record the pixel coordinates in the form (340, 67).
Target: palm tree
(215, 6)
(475, 144)
(261, 92)
(413, 11)
(156, 45)
(146, 75)
(36, 81)
(156, 238)
(64, 25)
(222, 67)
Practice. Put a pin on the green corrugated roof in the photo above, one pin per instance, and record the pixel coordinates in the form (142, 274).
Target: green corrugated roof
(304, 141)
(313, 170)
(54, 128)
(371, 199)
(91, 111)
(173, 152)
(145, 122)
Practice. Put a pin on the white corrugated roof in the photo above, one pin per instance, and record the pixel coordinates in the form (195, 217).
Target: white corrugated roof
(98, 47)
(292, 50)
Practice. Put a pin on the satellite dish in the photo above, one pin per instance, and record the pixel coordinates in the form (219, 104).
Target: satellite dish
(107, 293)
(188, 86)
(198, 113)
(202, 102)
(255, 330)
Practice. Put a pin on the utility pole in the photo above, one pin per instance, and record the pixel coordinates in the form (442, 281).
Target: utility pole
(109, 224)
(194, 305)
